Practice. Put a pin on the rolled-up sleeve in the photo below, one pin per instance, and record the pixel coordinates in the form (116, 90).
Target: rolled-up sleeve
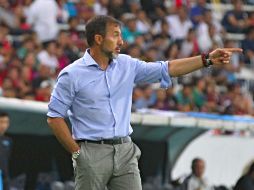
(62, 96)
(153, 72)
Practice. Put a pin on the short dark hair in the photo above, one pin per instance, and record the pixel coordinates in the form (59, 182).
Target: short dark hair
(98, 25)
(194, 162)
(4, 114)
(251, 168)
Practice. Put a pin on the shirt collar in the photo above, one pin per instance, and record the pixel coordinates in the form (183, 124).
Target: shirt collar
(89, 61)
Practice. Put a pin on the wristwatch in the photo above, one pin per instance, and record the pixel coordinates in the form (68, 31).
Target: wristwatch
(76, 154)
(207, 62)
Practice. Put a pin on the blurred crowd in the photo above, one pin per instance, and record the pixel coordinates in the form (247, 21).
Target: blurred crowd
(38, 38)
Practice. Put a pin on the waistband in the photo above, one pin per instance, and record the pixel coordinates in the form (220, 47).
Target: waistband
(113, 141)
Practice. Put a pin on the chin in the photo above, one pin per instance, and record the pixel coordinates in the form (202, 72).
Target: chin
(114, 55)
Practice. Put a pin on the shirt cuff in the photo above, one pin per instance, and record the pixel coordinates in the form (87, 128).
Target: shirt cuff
(165, 80)
(56, 108)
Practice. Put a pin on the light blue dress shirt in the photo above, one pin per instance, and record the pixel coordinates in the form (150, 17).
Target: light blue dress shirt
(98, 102)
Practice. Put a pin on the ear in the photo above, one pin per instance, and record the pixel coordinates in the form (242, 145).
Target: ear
(98, 39)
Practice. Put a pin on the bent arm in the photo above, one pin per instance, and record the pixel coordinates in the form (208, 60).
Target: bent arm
(62, 133)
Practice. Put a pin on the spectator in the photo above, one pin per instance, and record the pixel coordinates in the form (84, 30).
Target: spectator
(143, 97)
(63, 14)
(5, 148)
(235, 101)
(161, 27)
(70, 6)
(74, 35)
(130, 31)
(30, 61)
(43, 74)
(85, 10)
(25, 82)
(6, 15)
(196, 180)
(212, 97)
(197, 12)
(116, 8)
(184, 98)
(28, 45)
(20, 21)
(172, 52)
(42, 15)
(246, 182)
(144, 24)
(152, 54)
(198, 94)
(5, 44)
(209, 31)
(161, 100)
(248, 47)
(69, 42)
(171, 99)
(159, 43)
(101, 7)
(134, 51)
(211, 20)
(236, 20)
(44, 91)
(138, 98)
(134, 6)
(48, 55)
(155, 9)
(179, 24)
(62, 58)
(189, 46)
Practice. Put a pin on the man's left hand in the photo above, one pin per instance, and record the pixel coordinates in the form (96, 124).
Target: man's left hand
(222, 56)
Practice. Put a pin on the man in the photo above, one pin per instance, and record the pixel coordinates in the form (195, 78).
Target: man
(42, 15)
(96, 92)
(246, 182)
(196, 180)
(5, 147)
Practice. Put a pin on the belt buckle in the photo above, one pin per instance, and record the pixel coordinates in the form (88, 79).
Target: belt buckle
(117, 140)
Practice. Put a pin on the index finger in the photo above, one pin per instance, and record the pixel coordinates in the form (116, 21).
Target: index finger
(233, 49)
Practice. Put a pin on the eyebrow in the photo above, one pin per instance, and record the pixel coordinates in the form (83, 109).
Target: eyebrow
(117, 33)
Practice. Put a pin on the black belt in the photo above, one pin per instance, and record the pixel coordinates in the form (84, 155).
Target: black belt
(114, 141)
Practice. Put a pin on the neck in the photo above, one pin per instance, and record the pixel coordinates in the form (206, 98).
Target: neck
(100, 59)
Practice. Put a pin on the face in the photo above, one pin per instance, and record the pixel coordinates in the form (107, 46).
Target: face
(4, 124)
(52, 48)
(161, 95)
(199, 168)
(112, 41)
(238, 5)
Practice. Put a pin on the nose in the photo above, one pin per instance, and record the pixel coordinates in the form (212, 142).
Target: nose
(120, 41)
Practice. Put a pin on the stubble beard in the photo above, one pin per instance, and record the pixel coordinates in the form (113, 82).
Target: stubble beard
(109, 54)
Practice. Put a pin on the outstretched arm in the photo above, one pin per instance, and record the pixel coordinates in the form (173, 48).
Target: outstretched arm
(184, 66)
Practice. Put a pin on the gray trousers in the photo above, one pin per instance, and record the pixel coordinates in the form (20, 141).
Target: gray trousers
(113, 166)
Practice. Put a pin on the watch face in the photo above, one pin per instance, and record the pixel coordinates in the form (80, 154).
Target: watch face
(75, 154)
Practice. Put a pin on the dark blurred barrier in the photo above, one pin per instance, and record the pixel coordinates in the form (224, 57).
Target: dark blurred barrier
(160, 148)
(33, 154)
